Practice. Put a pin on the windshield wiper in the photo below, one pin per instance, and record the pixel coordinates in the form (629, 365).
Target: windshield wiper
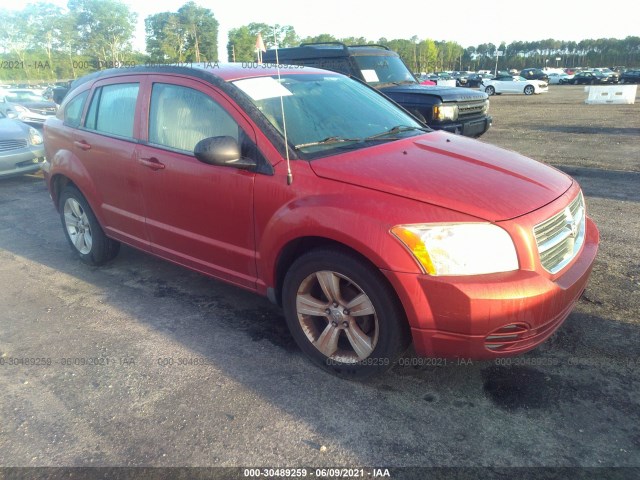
(395, 130)
(327, 141)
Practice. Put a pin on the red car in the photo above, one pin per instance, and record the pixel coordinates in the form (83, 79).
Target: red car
(313, 189)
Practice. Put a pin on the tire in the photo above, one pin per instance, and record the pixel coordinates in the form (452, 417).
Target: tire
(84, 233)
(490, 90)
(321, 291)
(529, 90)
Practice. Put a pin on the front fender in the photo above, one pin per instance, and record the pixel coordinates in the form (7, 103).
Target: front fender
(357, 217)
(314, 218)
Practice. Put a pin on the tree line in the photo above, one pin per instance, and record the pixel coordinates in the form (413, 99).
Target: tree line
(45, 42)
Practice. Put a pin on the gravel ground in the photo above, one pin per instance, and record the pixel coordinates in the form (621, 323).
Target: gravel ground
(153, 365)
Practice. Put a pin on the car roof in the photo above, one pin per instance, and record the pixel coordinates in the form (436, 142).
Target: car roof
(212, 71)
(329, 50)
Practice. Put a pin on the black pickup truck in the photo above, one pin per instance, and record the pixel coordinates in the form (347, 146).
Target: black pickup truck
(456, 110)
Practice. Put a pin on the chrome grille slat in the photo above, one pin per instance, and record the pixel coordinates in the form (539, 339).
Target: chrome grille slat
(471, 108)
(6, 145)
(560, 237)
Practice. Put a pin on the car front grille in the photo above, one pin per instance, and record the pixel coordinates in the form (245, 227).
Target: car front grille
(6, 145)
(560, 237)
(472, 109)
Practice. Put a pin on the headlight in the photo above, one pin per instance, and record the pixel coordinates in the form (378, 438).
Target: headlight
(445, 112)
(20, 109)
(459, 248)
(34, 136)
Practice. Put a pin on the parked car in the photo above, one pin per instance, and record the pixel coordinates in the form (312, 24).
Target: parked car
(514, 84)
(21, 148)
(461, 78)
(559, 78)
(55, 94)
(613, 76)
(630, 76)
(423, 79)
(453, 109)
(534, 74)
(27, 106)
(589, 77)
(369, 228)
(474, 80)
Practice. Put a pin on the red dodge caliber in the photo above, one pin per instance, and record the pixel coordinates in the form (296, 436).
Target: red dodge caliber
(370, 230)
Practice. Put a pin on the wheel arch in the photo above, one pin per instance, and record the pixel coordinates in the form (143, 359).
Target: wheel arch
(58, 183)
(299, 246)
(67, 170)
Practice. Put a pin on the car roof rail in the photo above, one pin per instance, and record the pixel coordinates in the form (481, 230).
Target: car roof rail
(318, 44)
(344, 45)
(372, 45)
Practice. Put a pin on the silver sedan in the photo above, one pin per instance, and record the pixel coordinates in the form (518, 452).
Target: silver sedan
(21, 147)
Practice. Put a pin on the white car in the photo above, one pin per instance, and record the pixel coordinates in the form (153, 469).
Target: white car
(559, 78)
(514, 84)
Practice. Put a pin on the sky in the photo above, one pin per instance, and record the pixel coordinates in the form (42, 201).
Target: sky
(468, 22)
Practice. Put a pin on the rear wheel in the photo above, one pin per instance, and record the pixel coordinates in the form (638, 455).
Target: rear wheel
(529, 90)
(343, 315)
(490, 90)
(84, 233)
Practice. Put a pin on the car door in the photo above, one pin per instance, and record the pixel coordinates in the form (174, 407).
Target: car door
(106, 146)
(198, 215)
(512, 85)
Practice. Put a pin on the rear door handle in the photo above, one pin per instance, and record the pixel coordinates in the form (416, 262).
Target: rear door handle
(152, 162)
(82, 145)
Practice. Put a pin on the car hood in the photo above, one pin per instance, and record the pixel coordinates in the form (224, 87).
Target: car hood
(446, 94)
(453, 172)
(13, 129)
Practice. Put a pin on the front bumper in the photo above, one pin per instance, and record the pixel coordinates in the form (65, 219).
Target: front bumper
(491, 316)
(469, 128)
(20, 162)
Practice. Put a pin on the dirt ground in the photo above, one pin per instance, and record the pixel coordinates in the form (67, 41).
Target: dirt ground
(143, 363)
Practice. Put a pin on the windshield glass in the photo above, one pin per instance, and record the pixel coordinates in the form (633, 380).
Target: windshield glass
(383, 69)
(327, 114)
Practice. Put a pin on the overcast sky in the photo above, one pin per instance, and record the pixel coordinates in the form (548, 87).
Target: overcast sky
(464, 21)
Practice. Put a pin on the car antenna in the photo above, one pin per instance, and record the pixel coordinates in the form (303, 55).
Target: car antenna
(284, 122)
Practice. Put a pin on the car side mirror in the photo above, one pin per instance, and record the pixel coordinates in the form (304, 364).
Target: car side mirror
(222, 151)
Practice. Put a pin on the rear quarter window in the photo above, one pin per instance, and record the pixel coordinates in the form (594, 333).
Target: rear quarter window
(73, 110)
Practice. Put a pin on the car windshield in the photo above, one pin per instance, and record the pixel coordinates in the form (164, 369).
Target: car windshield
(377, 69)
(23, 97)
(327, 114)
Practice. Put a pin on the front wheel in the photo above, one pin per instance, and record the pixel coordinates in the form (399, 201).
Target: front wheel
(529, 90)
(343, 314)
(84, 233)
(490, 90)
